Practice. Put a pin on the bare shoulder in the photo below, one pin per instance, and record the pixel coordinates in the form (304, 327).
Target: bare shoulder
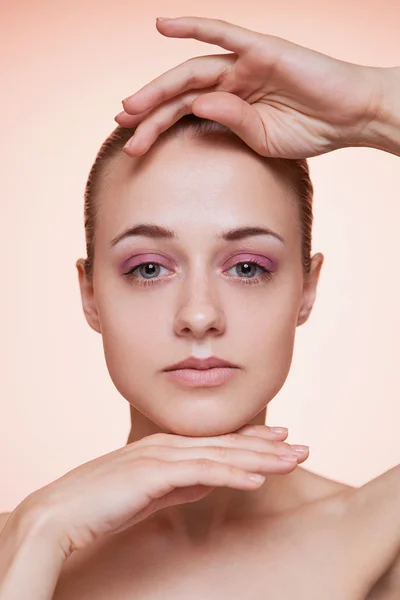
(366, 513)
(3, 520)
(319, 488)
(376, 504)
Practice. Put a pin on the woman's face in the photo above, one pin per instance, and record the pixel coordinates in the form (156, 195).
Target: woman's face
(200, 290)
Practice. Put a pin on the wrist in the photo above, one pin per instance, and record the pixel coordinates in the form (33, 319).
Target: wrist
(31, 559)
(32, 521)
(383, 128)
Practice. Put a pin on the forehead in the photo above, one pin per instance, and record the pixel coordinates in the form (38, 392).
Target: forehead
(195, 186)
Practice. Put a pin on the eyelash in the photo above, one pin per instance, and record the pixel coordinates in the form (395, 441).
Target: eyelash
(265, 275)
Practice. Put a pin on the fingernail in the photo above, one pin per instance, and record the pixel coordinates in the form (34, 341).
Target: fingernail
(119, 115)
(279, 429)
(128, 144)
(256, 477)
(163, 18)
(300, 449)
(288, 457)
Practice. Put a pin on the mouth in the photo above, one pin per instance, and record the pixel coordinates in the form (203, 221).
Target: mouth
(204, 372)
(192, 362)
(212, 377)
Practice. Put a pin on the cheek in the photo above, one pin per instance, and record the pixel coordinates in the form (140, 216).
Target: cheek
(271, 334)
(130, 353)
(272, 338)
(132, 338)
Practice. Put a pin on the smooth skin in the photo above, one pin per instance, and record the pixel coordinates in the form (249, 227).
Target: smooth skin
(115, 491)
(335, 529)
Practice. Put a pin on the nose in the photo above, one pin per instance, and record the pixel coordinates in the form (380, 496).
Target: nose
(200, 313)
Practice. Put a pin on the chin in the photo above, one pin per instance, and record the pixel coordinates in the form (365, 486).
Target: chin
(215, 421)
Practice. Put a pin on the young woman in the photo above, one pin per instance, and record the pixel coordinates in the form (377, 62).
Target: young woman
(198, 273)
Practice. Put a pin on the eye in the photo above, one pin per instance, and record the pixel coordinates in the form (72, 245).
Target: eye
(147, 270)
(249, 272)
(247, 269)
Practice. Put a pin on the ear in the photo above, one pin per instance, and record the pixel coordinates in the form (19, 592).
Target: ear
(310, 288)
(87, 295)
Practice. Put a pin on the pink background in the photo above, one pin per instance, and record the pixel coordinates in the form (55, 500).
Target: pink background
(65, 67)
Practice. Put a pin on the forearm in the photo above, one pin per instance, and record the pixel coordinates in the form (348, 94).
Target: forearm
(383, 132)
(30, 562)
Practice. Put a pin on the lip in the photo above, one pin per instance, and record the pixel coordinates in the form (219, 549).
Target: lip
(202, 377)
(202, 372)
(201, 364)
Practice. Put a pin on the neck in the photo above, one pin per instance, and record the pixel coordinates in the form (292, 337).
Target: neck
(202, 519)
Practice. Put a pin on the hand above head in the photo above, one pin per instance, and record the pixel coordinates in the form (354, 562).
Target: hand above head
(281, 99)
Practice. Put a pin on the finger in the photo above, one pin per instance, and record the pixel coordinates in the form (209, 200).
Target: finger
(202, 471)
(158, 121)
(212, 31)
(248, 460)
(260, 447)
(195, 73)
(264, 431)
(230, 440)
(236, 114)
(126, 120)
(223, 107)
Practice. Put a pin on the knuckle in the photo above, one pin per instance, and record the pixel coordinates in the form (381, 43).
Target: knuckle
(187, 101)
(284, 447)
(149, 452)
(158, 125)
(220, 451)
(157, 438)
(262, 460)
(192, 78)
(191, 75)
(203, 464)
(163, 92)
(248, 429)
(232, 437)
(277, 448)
(273, 446)
(232, 471)
(184, 107)
(146, 462)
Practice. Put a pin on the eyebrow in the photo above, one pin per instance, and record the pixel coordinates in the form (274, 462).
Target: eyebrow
(158, 232)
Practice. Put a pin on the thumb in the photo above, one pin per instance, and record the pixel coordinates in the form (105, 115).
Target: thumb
(236, 114)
